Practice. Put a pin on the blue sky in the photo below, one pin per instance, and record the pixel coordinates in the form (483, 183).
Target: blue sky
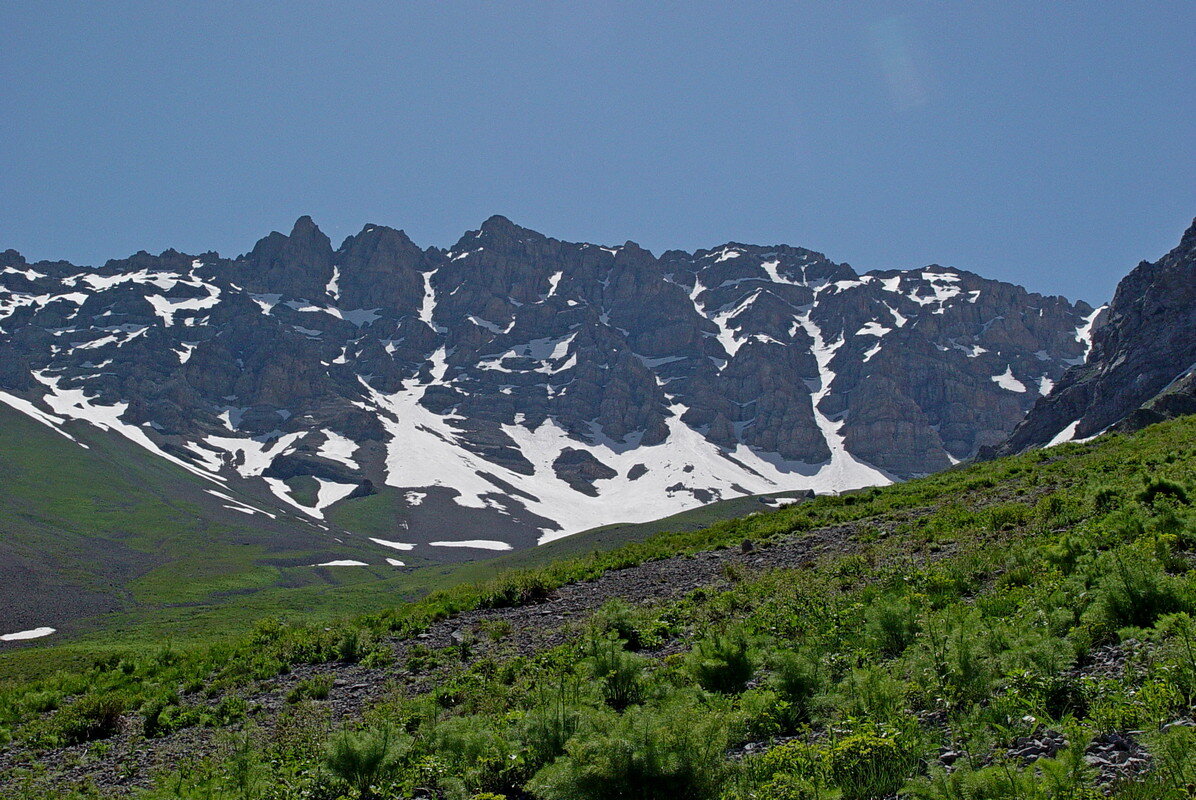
(1051, 144)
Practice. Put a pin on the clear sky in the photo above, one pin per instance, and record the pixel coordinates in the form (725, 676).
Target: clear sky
(1051, 144)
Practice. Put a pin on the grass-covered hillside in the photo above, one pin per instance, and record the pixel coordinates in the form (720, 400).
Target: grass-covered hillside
(105, 542)
(1016, 629)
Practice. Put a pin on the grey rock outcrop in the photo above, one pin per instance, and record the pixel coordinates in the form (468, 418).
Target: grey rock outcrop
(1139, 368)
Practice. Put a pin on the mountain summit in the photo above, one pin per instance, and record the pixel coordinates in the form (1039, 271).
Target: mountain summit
(1143, 354)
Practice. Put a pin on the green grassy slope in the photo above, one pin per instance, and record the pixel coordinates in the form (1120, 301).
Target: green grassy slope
(114, 530)
(112, 543)
(1047, 596)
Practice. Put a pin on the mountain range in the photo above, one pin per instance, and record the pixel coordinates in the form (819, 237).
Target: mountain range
(515, 388)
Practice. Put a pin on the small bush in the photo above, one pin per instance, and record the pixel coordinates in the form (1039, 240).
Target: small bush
(1066, 553)
(956, 652)
(41, 702)
(871, 693)
(723, 662)
(520, 589)
(1157, 488)
(866, 766)
(1007, 516)
(667, 754)
(1001, 782)
(620, 674)
(551, 723)
(1106, 499)
(316, 687)
(362, 759)
(479, 755)
(92, 716)
(496, 629)
(762, 714)
(617, 618)
(1135, 592)
(788, 787)
(794, 759)
(797, 678)
(891, 624)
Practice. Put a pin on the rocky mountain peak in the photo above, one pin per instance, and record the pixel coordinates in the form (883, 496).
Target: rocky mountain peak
(299, 263)
(1142, 344)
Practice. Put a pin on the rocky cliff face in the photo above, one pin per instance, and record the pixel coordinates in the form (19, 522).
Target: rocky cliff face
(526, 385)
(1143, 354)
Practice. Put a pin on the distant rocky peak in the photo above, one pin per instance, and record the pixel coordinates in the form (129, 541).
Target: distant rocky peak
(298, 265)
(376, 242)
(500, 231)
(11, 258)
(1141, 347)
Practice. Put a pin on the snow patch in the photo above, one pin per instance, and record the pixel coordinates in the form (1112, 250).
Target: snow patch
(49, 420)
(339, 448)
(1006, 381)
(873, 329)
(1065, 435)
(74, 404)
(1084, 337)
(477, 544)
(166, 308)
(34, 633)
(395, 545)
(553, 282)
(333, 288)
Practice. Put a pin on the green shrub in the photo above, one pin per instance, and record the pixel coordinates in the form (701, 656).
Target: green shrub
(617, 618)
(955, 650)
(92, 716)
(316, 687)
(363, 758)
(40, 702)
(797, 678)
(796, 759)
(723, 662)
(152, 722)
(496, 629)
(674, 753)
(1136, 591)
(479, 755)
(891, 624)
(1179, 652)
(1007, 516)
(788, 787)
(866, 766)
(1157, 488)
(620, 674)
(551, 723)
(1106, 499)
(1066, 552)
(872, 693)
(1000, 782)
(350, 647)
(762, 714)
(519, 589)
